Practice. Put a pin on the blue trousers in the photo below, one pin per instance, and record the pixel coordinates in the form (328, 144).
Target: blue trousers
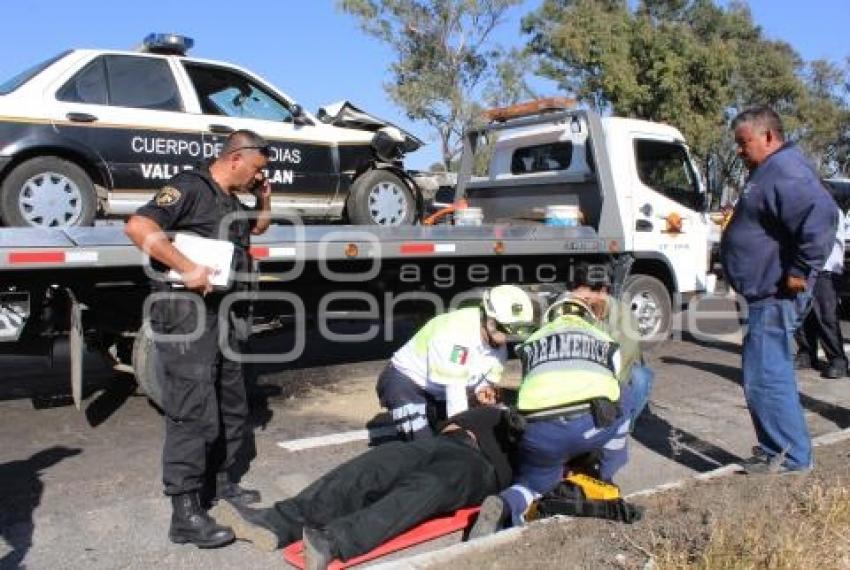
(547, 445)
(770, 384)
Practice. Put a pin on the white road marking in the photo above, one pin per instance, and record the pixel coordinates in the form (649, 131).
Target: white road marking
(337, 438)
(322, 440)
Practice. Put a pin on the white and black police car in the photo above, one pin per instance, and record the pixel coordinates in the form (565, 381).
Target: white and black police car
(92, 133)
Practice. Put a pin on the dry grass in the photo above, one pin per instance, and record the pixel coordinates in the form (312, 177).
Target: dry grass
(806, 527)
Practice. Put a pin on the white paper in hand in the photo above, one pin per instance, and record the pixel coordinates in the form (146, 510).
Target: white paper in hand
(214, 253)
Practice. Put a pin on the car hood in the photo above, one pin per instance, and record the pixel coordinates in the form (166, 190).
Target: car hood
(344, 114)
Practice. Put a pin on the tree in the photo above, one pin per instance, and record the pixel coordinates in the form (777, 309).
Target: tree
(825, 126)
(691, 63)
(445, 59)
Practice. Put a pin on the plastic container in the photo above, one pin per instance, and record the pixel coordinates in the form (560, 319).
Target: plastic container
(563, 216)
(469, 217)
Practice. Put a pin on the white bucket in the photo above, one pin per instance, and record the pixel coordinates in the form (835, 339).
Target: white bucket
(469, 217)
(563, 216)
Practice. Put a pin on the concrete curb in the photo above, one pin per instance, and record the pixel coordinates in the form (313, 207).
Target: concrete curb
(444, 555)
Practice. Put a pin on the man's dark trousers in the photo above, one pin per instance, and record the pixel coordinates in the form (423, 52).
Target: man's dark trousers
(203, 393)
(384, 492)
(822, 321)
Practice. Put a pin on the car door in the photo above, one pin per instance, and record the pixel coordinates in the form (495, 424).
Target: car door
(303, 164)
(668, 216)
(129, 110)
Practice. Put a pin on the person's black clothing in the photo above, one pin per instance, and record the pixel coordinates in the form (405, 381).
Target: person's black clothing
(391, 488)
(822, 323)
(204, 399)
(192, 202)
(497, 436)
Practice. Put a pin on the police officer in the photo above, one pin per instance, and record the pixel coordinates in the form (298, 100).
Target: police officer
(203, 393)
(455, 356)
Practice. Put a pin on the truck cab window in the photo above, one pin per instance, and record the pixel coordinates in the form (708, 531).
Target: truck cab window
(230, 94)
(665, 168)
(542, 158)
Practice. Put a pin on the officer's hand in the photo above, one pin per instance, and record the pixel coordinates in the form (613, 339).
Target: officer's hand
(261, 187)
(264, 191)
(794, 284)
(198, 279)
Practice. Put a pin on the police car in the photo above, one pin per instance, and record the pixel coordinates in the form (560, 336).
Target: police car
(93, 133)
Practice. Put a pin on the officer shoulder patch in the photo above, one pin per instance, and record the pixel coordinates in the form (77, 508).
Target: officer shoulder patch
(167, 196)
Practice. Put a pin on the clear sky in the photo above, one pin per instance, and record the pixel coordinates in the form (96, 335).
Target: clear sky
(311, 51)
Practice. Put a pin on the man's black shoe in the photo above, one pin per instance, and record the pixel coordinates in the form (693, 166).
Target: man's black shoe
(248, 524)
(233, 492)
(319, 551)
(191, 524)
(836, 369)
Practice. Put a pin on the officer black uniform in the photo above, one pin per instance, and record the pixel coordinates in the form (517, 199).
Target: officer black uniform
(203, 393)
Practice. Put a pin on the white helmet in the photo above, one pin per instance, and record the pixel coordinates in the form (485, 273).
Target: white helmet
(510, 307)
(569, 304)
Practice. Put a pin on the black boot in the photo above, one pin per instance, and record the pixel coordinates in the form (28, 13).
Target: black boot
(190, 523)
(232, 492)
(836, 369)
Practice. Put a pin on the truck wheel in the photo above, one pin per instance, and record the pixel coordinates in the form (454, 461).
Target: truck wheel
(145, 366)
(380, 198)
(48, 192)
(651, 305)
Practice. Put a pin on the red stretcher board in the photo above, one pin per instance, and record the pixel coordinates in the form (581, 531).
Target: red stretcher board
(428, 530)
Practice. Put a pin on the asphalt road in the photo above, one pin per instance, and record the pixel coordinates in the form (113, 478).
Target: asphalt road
(82, 488)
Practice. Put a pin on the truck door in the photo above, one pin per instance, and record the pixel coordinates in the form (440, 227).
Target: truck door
(668, 220)
(302, 167)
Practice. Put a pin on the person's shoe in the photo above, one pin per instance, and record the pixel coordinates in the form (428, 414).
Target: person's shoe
(491, 518)
(233, 492)
(803, 362)
(318, 549)
(763, 464)
(247, 524)
(836, 369)
(191, 524)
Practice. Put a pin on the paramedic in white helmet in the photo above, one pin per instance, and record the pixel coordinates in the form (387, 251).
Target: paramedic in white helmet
(456, 357)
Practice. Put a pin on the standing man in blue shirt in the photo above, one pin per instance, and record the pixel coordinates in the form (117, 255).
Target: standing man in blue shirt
(779, 236)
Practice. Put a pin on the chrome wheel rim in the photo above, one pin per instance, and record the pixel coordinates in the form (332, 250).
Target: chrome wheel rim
(647, 312)
(387, 204)
(50, 199)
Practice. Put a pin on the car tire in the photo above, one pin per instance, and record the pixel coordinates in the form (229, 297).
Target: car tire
(652, 307)
(145, 366)
(380, 198)
(48, 192)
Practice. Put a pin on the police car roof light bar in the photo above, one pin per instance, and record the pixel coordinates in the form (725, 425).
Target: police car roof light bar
(166, 44)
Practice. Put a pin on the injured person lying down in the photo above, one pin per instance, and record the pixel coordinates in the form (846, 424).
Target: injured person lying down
(389, 489)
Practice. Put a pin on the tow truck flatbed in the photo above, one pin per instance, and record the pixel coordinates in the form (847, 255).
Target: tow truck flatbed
(107, 246)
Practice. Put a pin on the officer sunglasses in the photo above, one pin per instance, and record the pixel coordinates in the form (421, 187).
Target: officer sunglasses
(265, 150)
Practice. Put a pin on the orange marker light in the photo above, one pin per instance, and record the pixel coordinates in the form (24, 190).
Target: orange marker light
(674, 223)
(351, 250)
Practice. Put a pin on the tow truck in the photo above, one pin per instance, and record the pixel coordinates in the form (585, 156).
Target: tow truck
(632, 183)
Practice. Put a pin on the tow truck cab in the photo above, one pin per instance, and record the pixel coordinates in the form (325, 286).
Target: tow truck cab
(632, 181)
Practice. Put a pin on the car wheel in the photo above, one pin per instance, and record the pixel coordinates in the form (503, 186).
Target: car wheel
(380, 198)
(650, 303)
(145, 366)
(48, 192)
